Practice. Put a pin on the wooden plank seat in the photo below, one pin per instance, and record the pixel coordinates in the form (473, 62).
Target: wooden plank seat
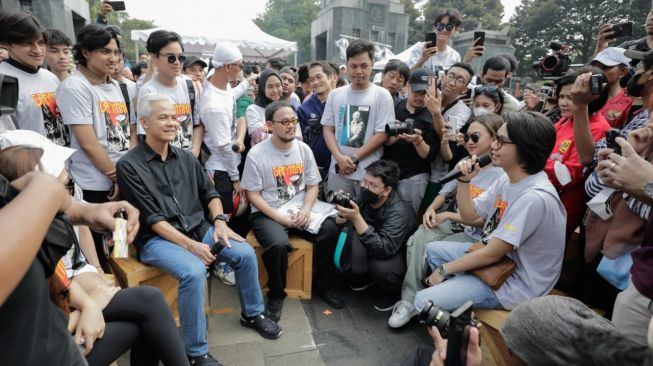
(300, 267)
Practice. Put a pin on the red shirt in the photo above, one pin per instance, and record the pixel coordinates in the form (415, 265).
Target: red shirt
(616, 110)
(572, 194)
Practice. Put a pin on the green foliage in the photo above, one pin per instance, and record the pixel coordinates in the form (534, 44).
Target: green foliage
(575, 22)
(290, 20)
(415, 22)
(486, 12)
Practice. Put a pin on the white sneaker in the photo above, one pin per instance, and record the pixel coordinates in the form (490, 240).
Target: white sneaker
(402, 312)
(225, 273)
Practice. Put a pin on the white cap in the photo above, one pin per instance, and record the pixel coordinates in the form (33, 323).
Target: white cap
(225, 53)
(612, 56)
(54, 156)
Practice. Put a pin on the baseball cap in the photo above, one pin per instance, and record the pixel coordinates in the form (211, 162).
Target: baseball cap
(612, 56)
(419, 79)
(54, 156)
(191, 60)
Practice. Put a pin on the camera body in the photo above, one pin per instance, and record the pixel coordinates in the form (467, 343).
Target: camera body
(395, 128)
(596, 84)
(339, 197)
(555, 65)
(454, 326)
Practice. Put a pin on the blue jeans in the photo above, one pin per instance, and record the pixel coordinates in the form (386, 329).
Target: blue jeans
(190, 271)
(458, 289)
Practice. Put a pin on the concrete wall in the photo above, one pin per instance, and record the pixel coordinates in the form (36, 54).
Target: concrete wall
(49, 12)
(495, 43)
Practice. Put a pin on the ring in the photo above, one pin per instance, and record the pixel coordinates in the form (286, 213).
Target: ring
(613, 165)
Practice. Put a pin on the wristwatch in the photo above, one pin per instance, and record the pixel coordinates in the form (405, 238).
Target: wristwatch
(648, 189)
(442, 269)
(221, 217)
(354, 159)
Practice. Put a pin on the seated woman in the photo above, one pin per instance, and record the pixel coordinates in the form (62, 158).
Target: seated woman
(135, 318)
(270, 89)
(524, 221)
(564, 168)
(445, 226)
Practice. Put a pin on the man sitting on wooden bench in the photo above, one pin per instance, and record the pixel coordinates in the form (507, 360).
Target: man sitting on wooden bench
(170, 188)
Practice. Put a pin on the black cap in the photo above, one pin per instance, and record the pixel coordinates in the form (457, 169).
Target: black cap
(191, 60)
(419, 79)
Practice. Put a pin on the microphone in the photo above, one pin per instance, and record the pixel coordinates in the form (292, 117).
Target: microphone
(482, 161)
(235, 147)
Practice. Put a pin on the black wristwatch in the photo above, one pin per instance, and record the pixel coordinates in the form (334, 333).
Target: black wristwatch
(354, 159)
(221, 217)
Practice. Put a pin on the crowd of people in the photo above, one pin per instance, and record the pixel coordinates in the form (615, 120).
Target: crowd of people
(200, 153)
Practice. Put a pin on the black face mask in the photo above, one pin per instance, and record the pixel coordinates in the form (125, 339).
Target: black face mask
(633, 89)
(368, 197)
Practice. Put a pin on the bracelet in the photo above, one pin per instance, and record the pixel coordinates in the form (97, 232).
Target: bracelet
(463, 181)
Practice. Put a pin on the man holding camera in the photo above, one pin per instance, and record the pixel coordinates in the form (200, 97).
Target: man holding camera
(171, 190)
(378, 229)
(413, 143)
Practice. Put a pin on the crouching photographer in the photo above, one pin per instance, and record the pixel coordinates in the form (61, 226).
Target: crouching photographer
(378, 224)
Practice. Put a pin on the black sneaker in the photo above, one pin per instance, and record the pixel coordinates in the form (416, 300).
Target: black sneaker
(206, 360)
(264, 326)
(273, 309)
(332, 298)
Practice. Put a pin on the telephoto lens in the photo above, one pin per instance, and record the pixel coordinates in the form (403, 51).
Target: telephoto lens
(396, 128)
(339, 197)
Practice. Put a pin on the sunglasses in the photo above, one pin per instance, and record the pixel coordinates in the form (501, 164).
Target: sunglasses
(173, 58)
(441, 26)
(288, 122)
(487, 89)
(472, 136)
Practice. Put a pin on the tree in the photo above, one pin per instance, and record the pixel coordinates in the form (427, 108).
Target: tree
(488, 13)
(290, 20)
(575, 22)
(415, 22)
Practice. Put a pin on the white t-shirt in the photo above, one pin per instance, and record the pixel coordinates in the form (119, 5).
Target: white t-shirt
(218, 114)
(255, 117)
(37, 105)
(438, 167)
(529, 216)
(181, 102)
(102, 106)
(439, 61)
(278, 174)
(357, 115)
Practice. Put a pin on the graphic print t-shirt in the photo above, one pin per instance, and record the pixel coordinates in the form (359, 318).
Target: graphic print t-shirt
(181, 102)
(102, 106)
(279, 175)
(357, 115)
(37, 106)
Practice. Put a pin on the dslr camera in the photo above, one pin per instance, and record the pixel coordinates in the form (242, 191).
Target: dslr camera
(339, 197)
(453, 326)
(395, 128)
(556, 65)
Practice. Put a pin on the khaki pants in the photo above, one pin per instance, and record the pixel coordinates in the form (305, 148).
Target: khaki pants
(632, 314)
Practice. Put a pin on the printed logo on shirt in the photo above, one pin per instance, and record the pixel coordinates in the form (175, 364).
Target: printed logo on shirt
(490, 225)
(475, 191)
(117, 124)
(564, 146)
(184, 137)
(290, 181)
(55, 130)
(352, 125)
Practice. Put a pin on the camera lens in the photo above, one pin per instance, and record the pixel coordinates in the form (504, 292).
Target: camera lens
(433, 315)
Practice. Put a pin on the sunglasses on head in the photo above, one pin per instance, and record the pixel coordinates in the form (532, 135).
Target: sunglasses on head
(486, 88)
(472, 136)
(441, 26)
(173, 58)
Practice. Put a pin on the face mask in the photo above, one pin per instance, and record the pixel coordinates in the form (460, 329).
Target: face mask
(479, 111)
(368, 196)
(633, 88)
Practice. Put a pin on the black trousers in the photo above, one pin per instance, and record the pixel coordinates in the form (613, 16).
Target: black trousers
(274, 238)
(139, 319)
(386, 273)
(98, 197)
(420, 357)
(223, 185)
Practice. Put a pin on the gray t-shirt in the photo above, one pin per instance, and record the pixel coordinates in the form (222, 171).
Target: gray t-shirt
(181, 102)
(357, 115)
(37, 106)
(102, 106)
(529, 216)
(278, 174)
(438, 167)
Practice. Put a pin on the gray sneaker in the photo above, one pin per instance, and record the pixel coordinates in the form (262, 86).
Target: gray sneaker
(402, 312)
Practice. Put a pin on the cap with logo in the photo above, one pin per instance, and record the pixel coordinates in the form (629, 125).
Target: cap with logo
(419, 79)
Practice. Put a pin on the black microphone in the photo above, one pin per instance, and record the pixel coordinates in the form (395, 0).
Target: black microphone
(482, 161)
(235, 147)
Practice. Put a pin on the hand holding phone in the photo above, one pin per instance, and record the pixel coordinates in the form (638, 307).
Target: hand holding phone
(430, 39)
(611, 140)
(117, 5)
(621, 30)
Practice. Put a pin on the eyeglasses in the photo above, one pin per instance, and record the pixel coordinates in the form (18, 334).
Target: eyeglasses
(442, 26)
(472, 136)
(459, 80)
(173, 58)
(486, 88)
(288, 122)
(500, 140)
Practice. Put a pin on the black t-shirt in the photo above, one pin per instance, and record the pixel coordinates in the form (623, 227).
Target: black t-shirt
(33, 331)
(642, 268)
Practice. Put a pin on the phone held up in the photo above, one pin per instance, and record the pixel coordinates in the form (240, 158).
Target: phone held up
(622, 30)
(117, 5)
(430, 39)
(611, 140)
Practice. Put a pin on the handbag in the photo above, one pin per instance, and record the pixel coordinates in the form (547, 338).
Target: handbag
(493, 275)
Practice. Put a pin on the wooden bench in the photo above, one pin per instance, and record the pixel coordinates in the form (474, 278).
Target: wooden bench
(300, 267)
(130, 272)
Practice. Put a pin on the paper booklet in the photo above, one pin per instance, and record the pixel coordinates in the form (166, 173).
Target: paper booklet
(319, 213)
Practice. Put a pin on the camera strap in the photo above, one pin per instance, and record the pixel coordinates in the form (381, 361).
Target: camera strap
(342, 240)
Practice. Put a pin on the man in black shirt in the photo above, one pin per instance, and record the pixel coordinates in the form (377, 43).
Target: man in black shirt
(414, 152)
(170, 188)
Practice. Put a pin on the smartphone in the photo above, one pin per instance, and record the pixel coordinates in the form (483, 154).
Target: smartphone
(596, 84)
(611, 140)
(480, 36)
(433, 82)
(430, 39)
(117, 5)
(622, 30)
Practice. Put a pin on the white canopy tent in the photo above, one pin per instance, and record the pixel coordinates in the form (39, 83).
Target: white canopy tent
(199, 39)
